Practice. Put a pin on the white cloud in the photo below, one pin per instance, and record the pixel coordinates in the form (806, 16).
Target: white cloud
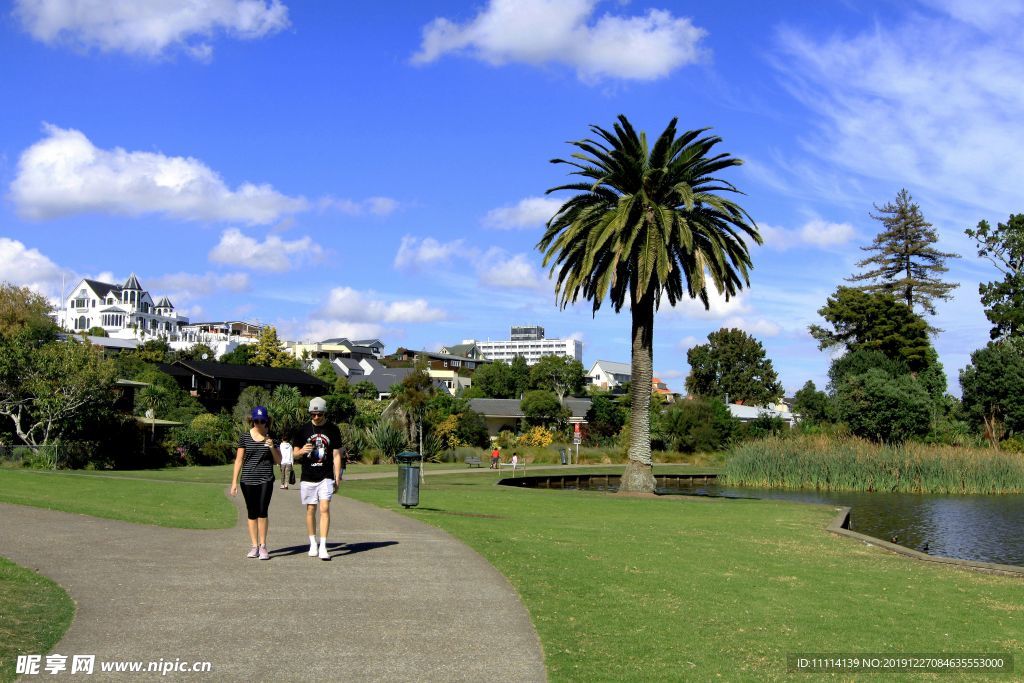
(273, 253)
(824, 234)
(25, 267)
(185, 287)
(414, 252)
(536, 32)
(931, 102)
(694, 308)
(351, 306)
(532, 212)
(149, 27)
(815, 233)
(66, 174)
(757, 328)
(984, 15)
(318, 330)
(377, 206)
(515, 272)
(688, 342)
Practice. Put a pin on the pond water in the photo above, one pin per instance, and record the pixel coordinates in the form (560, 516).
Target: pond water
(981, 528)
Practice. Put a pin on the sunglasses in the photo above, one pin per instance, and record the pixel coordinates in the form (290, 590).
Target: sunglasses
(316, 413)
(259, 422)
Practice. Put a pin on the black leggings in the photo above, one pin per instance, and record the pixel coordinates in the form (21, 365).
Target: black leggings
(257, 498)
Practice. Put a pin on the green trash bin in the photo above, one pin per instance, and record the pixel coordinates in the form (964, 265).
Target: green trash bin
(408, 478)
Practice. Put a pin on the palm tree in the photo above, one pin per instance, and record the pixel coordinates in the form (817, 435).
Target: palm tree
(647, 225)
(153, 397)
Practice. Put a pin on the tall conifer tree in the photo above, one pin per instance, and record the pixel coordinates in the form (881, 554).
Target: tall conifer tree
(904, 262)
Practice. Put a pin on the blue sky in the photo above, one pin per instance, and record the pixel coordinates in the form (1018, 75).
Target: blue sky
(378, 169)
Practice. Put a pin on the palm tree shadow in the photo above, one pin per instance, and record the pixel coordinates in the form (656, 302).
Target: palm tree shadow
(335, 549)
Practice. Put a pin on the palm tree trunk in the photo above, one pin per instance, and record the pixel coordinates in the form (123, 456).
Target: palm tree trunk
(639, 476)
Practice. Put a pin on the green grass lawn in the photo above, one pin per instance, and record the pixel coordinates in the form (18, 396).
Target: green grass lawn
(34, 613)
(697, 589)
(183, 504)
(643, 589)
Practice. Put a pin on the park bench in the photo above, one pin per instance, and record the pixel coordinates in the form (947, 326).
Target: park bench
(519, 466)
(473, 461)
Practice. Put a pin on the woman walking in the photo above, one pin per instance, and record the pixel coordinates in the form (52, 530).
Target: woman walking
(254, 460)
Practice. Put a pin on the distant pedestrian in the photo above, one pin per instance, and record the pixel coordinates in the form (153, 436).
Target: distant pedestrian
(254, 461)
(495, 458)
(287, 463)
(320, 455)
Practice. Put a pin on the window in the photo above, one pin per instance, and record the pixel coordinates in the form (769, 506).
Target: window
(82, 323)
(80, 303)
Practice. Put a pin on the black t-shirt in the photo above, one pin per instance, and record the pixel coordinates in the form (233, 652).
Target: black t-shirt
(318, 464)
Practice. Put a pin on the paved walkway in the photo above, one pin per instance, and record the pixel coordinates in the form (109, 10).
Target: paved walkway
(400, 600)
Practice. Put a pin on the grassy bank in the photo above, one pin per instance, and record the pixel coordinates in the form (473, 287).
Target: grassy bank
(850, 464)
(671, 588)
(707, 589)
(34, 613)
(606, 455)
(125, 496)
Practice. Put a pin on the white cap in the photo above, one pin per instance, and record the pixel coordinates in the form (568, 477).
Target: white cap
(318, 405)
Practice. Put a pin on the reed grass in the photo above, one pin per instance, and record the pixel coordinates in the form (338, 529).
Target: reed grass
(850, 464)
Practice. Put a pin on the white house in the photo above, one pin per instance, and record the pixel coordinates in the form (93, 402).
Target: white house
(221, 336)
(609, 375)
(746, 413)
(123, 311)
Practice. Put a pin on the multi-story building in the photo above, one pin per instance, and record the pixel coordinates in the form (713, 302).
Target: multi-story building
(527, 332)
(123, 311)
(530, 343)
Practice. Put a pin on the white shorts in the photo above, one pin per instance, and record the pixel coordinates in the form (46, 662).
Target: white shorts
(313, 491)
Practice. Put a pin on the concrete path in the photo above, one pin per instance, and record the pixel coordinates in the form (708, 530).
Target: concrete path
(399, 601)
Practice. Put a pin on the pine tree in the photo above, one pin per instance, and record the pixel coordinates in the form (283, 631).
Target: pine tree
(905, 264)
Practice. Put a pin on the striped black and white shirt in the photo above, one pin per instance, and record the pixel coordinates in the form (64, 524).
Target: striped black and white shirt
(258, 461)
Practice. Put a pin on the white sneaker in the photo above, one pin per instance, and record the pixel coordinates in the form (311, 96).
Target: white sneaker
(312, 549)
(323, 553)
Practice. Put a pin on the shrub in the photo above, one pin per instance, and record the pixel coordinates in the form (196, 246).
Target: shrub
(880, 407)
(473, 429)
(760, 427)
(506, 439)
(697, 425)
(993, 384)
(604, 421)
(538, 437)
(446, 433)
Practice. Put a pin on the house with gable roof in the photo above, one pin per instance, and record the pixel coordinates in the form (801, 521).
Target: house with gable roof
(610, 375)
(124, 311)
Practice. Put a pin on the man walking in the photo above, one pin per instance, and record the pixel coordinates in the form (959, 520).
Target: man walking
(320, 455)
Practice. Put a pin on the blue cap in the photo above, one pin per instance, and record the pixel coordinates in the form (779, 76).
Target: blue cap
(259, 413)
